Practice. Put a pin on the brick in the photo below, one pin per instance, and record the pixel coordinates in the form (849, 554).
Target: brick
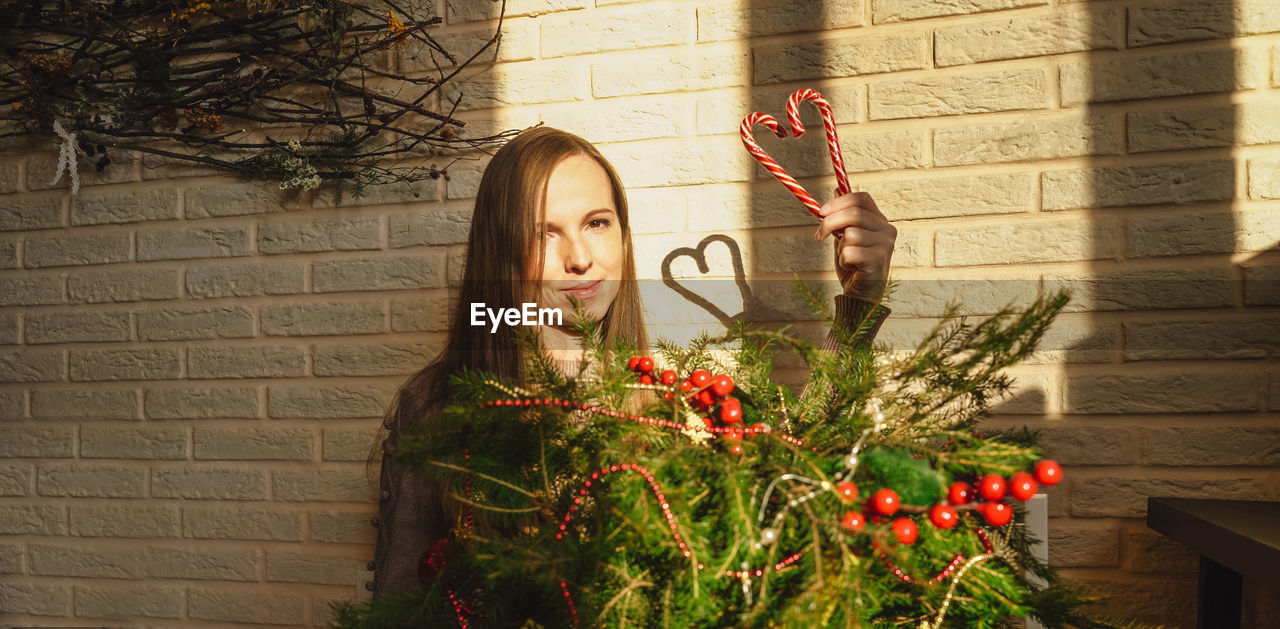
(314, 567)
(723, 113)
(11, 558)
(400, 192)
(1180, 234)
(200, 403)
(1149, 551)
(386, 273)
(322, 609)
(1145, 290)
(86, 560)
(1275, 391)
(76, 250)
(523, 83)
(1165, 23)
(245, 280)
(124, 285)
(471, 11)
(1028, 396)
(249, 444)
(613, 121)
(349, 444)
(878, 150)
(30, 291)
(193, 242)
(209, 484)
(463, 178)
(37, 519)
(255, 361)
(42, 170)
(345, 485)
(246, 523)
(15, 480)
(95, 208)
(1005, 90)
(712, 160)
(1083, 547)
(1264, 179)
(32, 366)
(423, 314)
(9, 254)
(433, 227)
(1262, 285)
(178, 324)
(378, 359)
(236, 199)
(335, 234)
(1203, 127)
(36, 442)
(1216, 445)
(1091, 445)
(131, 601)
(342, 527)
(705, 68)
(169, 168)
(191, 563)
(10, 181)
(125, 364)
(1027, 241)
(855, 56)
(519, 42)
(937, 197)
(133, 443)
(1193, 340)
(73, 327)
(83, 404)
(38, 600)
(1171, 74)
(91, 481)
(124, 519)
(246, 606)
(1019, 38)
(327, 402)
(772, 17)
(9, 334)
(1028, 139)
(31, 212)
(625, 29)
(900, 10)
(323, 319)
(1177, 183)
(1161, 393)
(1127, 497)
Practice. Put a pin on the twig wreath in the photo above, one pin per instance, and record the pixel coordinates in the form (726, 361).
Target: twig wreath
(295, 91)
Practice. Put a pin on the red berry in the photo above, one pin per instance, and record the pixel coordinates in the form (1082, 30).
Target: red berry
(700, 378)
(885, 501)
(722, 385)
(905, 530)
(646, 378)
(667, 395)
(705, 396)
(1048, 473)
(631, 364)
(645, 364)
(1022, 486)
(848, 491)
(960, 493)
(996, 513)
(943, 516)
(686, 386)
(708, 422)
(853, 521)
(736, 448)
(668, 377)
(992, 487)
(730, 411)
(734, 432)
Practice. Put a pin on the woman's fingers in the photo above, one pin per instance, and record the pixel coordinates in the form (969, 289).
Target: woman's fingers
(851, 216)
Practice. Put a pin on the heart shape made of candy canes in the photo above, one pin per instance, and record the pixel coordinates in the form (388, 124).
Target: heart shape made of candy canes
(797, 130)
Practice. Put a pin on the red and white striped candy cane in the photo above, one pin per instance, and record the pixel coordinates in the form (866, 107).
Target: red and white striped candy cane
(828, 123)
(770, 165)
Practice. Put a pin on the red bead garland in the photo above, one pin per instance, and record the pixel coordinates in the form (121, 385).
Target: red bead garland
(653, 485)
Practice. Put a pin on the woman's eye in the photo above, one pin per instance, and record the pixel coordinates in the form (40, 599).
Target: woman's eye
(600, 223)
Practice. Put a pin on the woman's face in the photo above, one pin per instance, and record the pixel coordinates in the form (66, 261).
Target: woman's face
(581, 239)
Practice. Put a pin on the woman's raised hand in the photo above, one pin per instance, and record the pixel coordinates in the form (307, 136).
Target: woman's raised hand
(864, 241)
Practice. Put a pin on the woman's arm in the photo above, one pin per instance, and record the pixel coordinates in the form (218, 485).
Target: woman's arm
(409, 519)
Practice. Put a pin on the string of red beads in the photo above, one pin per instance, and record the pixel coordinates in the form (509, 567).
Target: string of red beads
(568, 598)
(653, 485)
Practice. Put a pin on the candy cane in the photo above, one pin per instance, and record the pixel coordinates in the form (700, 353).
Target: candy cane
(828, 123)
(754, 148)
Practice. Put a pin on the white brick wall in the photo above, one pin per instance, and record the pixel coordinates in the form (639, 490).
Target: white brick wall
(192, 368)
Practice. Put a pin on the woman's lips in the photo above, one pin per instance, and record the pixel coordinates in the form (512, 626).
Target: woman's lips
(584, 291)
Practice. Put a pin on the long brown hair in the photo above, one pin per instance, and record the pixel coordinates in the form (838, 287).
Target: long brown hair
(509, 206)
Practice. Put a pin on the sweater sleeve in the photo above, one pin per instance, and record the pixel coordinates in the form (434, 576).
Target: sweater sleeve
(850, 312)
(409, 519)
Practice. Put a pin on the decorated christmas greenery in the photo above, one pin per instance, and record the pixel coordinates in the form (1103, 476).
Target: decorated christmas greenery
(690, 489)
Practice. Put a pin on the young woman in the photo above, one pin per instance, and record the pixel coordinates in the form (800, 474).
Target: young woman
(550, 222)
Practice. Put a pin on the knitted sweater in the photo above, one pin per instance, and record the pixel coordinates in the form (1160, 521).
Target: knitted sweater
(409, 516)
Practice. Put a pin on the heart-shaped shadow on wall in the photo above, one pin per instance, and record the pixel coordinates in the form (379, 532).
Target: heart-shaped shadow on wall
(753, 309)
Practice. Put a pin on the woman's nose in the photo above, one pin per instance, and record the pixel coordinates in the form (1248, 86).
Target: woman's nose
(577, 255)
